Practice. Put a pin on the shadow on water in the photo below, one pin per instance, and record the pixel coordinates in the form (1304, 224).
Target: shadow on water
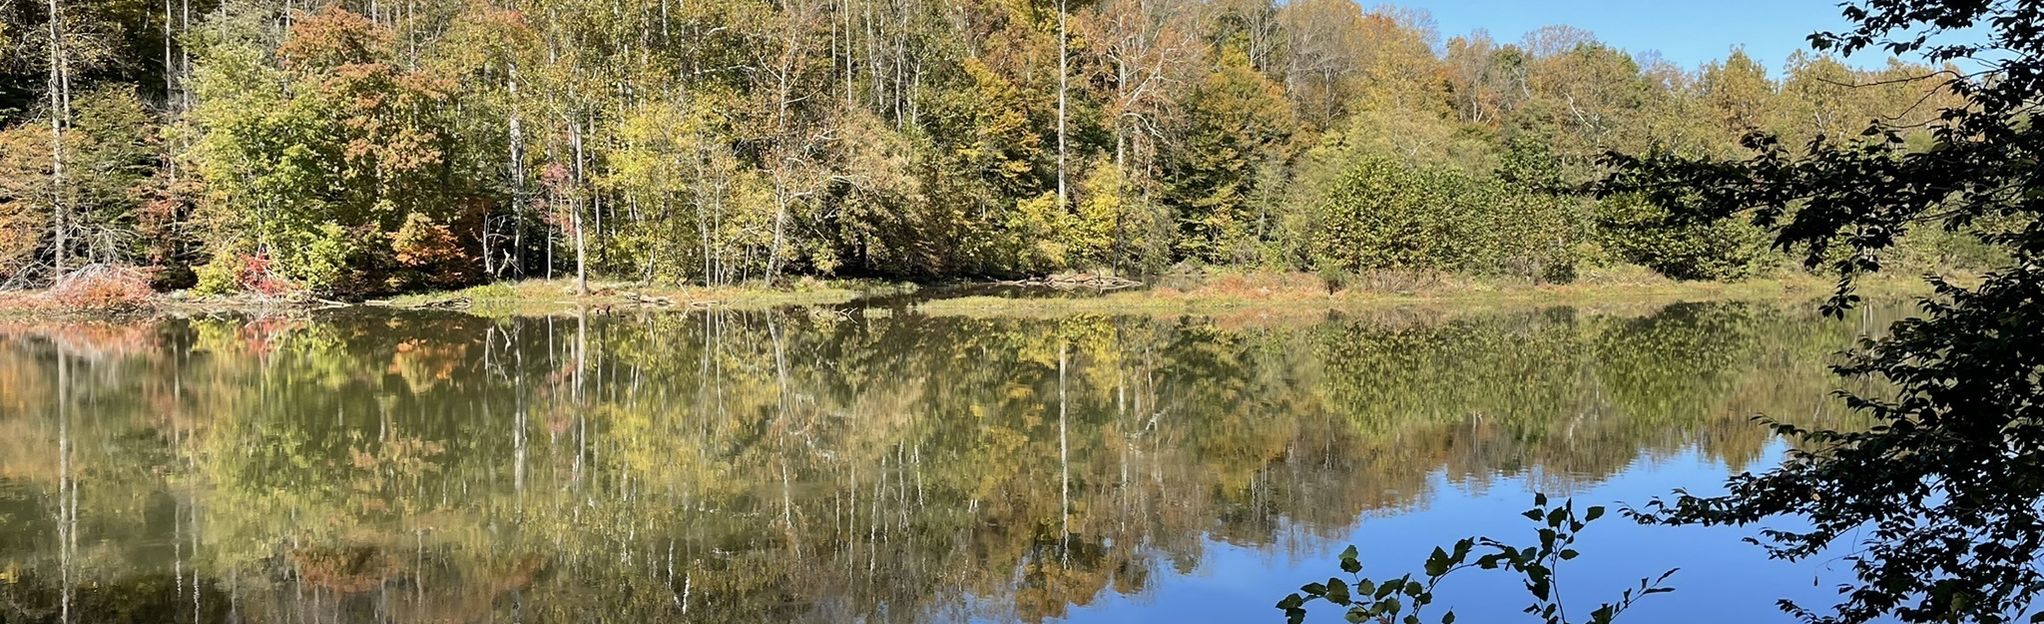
(814, 465)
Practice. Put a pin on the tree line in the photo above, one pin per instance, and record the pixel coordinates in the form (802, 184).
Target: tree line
(358, 147)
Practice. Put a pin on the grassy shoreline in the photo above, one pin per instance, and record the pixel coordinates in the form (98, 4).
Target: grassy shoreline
(534, 297)
(554, 295)
(1281, 295)
(1222, 293)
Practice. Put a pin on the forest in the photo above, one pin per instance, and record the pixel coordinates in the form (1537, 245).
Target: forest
(359, 147)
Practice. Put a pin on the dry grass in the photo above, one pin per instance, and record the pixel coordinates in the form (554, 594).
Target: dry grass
(538, 296)
(1249, 297)
(1236, 296)
(94, 289)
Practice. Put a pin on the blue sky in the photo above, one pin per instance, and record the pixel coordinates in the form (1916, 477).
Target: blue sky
(1685, 32)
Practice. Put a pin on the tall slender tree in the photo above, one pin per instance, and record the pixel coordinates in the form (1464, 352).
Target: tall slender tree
(60, 114)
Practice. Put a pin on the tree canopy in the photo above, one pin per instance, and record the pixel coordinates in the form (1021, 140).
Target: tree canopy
(356, 147)
(1939, 506)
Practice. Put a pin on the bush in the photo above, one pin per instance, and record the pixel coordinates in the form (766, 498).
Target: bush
(1333, 277)
(1642, 233)
(102, 288)
(220, 276)
(321, 265)
(1381, 214)
(240, 273)
(322, 259)
(490, 292)
(429, 254)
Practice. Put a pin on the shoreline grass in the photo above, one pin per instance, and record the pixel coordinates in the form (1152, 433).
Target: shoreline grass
(1220, 293)
(542, 296)
(1293, 295)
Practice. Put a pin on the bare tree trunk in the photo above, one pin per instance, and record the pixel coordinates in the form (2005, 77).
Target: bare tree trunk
(581, 257)
(780, 224)
(581, 243)
(784, 96)
(173, 82)
(517, 130)
(184, 53)
(60, 111)
(411, 34)
(702, 208)
(168, 68)
(1063, 78)
(720, 267)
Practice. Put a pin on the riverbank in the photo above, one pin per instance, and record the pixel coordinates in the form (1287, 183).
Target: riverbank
(545, 296)
(1289, 294)
(1217, 293)
(524, 297)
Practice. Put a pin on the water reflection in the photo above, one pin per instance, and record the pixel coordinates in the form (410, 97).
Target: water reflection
(809, 465)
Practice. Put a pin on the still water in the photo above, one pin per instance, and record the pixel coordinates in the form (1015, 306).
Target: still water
(872, 464)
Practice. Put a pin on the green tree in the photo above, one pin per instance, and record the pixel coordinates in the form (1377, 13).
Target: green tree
(1642, 232)
(1382, 214)
(1939, 501)
(312, 174)
(1237, 122)
(1739, 91)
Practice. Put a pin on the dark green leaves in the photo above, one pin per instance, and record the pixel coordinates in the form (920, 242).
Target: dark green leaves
(1437, 564)
(1337, 592)
(1292, 606)
(1944, 472)
(1404, 599)
(1349, 563)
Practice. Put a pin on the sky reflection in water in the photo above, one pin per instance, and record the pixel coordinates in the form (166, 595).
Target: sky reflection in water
(871, 464)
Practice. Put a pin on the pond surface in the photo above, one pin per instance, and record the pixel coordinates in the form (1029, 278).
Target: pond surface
(872, 464)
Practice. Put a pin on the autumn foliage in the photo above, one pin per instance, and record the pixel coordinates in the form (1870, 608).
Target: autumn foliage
(101, 289)
(355, 154)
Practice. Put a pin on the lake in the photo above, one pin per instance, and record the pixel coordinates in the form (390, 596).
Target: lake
(871, 463)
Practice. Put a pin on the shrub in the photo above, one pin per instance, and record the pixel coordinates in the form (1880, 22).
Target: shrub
(1381, 214)
(490, 292)
(1333, 277)
(1649, 235)
(321, 265)
(1405, 598)
(428, 253)
(101, 288)
(240, 273)
(219, 276)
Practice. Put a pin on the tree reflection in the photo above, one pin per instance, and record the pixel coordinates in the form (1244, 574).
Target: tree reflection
(803, 464)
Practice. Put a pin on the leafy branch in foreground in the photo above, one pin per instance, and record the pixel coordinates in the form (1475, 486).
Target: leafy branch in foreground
(1940, 503)
(1404, 599)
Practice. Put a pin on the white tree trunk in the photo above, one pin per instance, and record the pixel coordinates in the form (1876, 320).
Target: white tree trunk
(1063, 74)
(581, 242)
(60, 111)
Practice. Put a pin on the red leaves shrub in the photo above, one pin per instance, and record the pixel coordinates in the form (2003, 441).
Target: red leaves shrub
(331, 38)
(420, 243)
(258, 277)
(429, 253)
(247, 273)
(101, 288)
